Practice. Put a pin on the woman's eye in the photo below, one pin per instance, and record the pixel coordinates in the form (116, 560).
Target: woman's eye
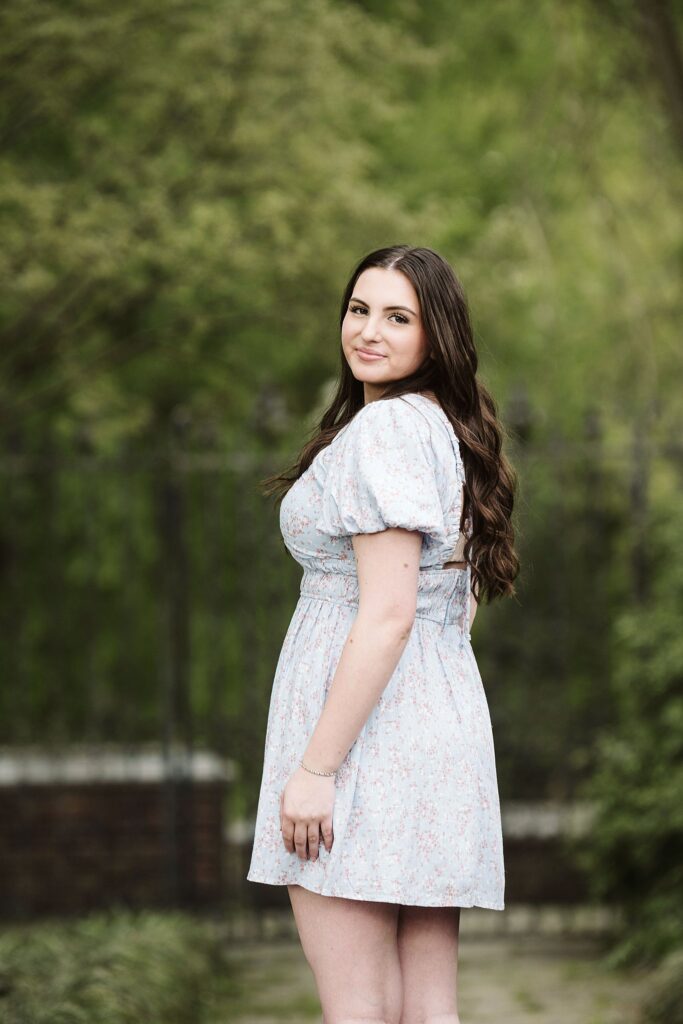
(361, 309)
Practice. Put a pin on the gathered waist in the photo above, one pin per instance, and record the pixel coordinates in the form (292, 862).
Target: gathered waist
(442, 594)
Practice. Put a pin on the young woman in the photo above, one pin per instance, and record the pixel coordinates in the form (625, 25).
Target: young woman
(379, 804)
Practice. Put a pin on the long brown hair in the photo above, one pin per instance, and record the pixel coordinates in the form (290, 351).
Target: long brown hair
(451, 375)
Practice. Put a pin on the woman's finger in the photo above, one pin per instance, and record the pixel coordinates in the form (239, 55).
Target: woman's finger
(288, 836)
(313, 840)
(328, 833)
(300, 838)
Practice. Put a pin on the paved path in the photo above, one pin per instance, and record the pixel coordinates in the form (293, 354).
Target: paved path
(502, 980)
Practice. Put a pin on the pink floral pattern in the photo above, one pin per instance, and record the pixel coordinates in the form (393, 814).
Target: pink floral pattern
(416, 815)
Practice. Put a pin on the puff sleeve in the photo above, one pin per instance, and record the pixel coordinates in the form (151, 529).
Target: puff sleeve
(383, 474)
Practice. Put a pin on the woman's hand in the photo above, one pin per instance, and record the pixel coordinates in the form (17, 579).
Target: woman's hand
(306, 805)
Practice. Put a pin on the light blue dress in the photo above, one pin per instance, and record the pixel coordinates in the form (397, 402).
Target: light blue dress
(416, 816)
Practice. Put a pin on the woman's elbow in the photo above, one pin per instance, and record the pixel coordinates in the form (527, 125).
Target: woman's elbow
(392, 617)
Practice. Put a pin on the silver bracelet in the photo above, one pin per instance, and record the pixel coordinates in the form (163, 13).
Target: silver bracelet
(313, 771)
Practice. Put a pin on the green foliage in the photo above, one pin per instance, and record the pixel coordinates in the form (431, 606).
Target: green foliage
(664, 1003)
(183, 191)
(169, 182)
(636, 853)
(534, 142)
(113, 968)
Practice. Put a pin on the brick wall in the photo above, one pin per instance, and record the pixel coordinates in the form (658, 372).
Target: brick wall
(71, 844)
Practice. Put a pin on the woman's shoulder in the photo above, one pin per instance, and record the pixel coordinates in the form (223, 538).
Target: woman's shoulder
(402, 413)
(387, 426)
(385, 472)
(405, 435)
(415, 419)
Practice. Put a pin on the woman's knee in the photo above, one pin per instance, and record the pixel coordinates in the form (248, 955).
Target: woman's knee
(349, 996)
(390, 1016)
(439, 1018)
(361, 1020)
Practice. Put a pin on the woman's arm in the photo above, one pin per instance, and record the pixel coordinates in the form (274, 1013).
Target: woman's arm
(388, 565)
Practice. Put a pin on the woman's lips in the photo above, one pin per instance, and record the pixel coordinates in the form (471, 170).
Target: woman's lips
(369, 356)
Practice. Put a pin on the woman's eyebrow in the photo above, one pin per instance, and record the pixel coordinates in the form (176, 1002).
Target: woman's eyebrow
(386, 308)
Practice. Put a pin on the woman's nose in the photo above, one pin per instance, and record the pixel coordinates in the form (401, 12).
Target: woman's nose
(370, 332)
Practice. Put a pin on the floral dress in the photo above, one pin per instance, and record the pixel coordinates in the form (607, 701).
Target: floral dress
(416, 818)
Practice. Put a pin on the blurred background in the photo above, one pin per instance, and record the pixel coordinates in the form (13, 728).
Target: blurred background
(185, 188)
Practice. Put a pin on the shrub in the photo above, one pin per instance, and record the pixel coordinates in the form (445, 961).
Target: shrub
(111, 968)
(636, 855)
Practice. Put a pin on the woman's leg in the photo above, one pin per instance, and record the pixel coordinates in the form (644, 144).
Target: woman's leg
(351, 948)
(428, 953)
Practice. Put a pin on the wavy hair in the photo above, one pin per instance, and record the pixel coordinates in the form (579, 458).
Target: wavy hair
(490, 481)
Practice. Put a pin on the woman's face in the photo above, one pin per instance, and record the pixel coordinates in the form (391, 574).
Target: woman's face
(382, 333)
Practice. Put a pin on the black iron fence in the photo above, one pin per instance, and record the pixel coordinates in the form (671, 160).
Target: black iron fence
(145, 600)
